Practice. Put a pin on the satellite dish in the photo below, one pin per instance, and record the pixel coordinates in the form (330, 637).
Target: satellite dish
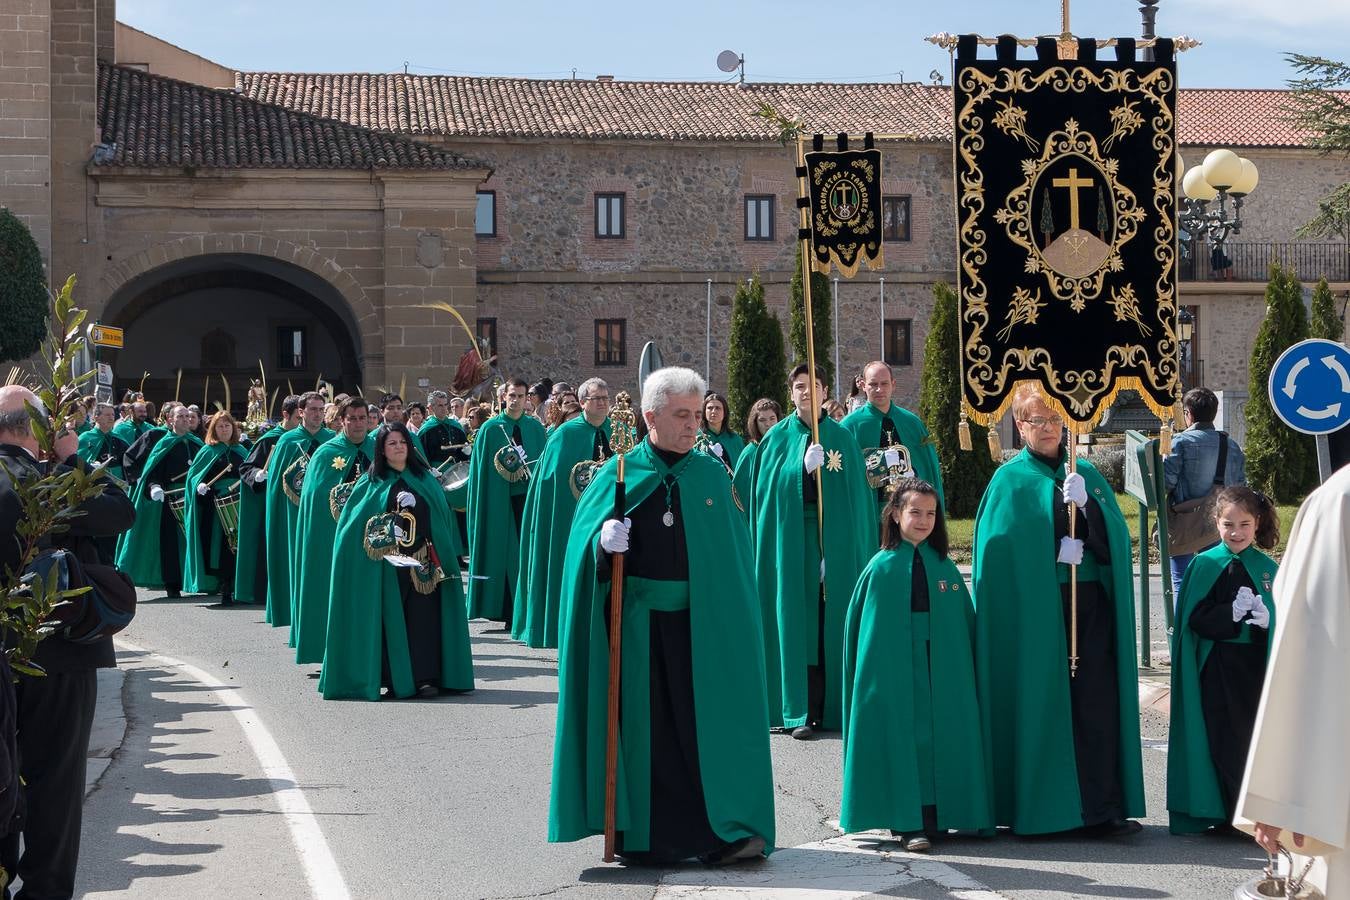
(728, 60)
(648, 363)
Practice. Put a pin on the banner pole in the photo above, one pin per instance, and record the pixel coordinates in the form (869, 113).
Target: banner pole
(1073, 570)
(808, 262)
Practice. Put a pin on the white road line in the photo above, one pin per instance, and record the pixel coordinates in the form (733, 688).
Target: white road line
(321, 869)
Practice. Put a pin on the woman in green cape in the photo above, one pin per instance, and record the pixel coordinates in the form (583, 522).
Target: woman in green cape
(400, 627)
(210, 560)
(913, 750)
(1225, 619)
(153, 551)
(763, 415)
(717, 433)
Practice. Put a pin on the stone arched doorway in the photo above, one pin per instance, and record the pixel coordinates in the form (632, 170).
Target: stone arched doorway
(217, 316)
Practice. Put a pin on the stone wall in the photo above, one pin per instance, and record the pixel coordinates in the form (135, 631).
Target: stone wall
(25, 115)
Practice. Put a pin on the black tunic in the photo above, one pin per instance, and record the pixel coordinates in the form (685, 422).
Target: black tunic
(170, 473)
(206, 506)
(421, 612)
(256, 460)
(139, 451)
(1231, 679)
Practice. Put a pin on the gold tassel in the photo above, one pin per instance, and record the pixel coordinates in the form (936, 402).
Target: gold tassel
(1165, 439)
(995, 445)
(963, 434)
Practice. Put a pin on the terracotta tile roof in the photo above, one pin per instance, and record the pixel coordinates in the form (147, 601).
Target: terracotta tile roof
(457, 106)
(156, 121)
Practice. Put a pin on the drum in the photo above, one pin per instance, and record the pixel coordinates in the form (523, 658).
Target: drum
(452, 478)
(176, 500)
(227, 510)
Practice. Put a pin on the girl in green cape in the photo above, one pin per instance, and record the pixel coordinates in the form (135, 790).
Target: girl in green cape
(722, 442)
(400, 627)
(763, 416)
(1225, 617)
(913, 751)
(209, 563)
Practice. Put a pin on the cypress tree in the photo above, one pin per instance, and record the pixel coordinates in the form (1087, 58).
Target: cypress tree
(756, 363)
(24, 302)
(965, 474)
(1280, 461)
(1325, 323)
(820, 322)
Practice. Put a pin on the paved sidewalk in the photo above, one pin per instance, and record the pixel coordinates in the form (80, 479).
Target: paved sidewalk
(110, 726)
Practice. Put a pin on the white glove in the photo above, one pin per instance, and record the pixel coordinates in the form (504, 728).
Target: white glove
(259, 475)
(1070, 551)
(1244, 601)
(524, 457)
(814, 458)
(399, 533)
(406, 499)
(892, 458)
(1075, 490)
(614, 535)
(203, 489)
(467, 450)
(156, 493)
(1260, 615)
(717, 450)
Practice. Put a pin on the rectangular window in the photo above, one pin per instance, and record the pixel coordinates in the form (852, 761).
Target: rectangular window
(610, 343)
(487, 331)
(759, 217)
(895, 218)
(897, 342)
(485, 215)
(609, 215)
(292, 348)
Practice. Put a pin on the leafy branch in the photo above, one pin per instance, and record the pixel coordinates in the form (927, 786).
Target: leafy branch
(1320, 105)
(788, 129)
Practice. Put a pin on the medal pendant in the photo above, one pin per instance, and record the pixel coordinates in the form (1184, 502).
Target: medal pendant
(668, 519)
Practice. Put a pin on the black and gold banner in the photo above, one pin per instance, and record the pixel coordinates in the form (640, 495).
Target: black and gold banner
(1066, 213)
(842, 200)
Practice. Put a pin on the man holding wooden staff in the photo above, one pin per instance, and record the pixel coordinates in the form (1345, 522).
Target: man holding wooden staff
(693, 776)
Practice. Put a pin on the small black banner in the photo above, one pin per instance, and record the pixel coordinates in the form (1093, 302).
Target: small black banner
(843, 211)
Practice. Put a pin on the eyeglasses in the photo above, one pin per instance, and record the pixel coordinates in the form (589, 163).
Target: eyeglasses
(1043, 421)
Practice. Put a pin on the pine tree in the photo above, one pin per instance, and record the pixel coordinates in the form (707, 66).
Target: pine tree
(1280, 461)
(1325, 323)
(965, 474)
(24, 302)
(1319, 107)
(820, 322)
(756, 365)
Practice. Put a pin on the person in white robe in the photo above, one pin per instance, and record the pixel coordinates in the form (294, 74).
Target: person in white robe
(1296, 790)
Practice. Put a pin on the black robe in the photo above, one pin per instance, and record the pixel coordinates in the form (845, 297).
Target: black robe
(421, 612)
(256, 460)
(206, 506)
(139, 451)
(170, 473)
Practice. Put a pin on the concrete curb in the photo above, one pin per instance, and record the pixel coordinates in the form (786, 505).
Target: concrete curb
(110, 726)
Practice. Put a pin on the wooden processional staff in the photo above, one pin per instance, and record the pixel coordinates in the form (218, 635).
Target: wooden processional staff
(621, 439)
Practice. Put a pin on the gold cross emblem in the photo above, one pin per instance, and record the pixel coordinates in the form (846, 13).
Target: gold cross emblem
(834, 461)
(339, 463)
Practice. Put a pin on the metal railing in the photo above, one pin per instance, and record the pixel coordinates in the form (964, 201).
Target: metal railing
(1251, 261)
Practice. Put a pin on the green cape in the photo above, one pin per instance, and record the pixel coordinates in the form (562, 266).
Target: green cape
(544, 527)
(91, 447)
(1021, 651)
(315, 529)
(195, 577)
(742, 480)
(732, 728)
(365, 609)
(882, 717)
(1193, 798)
(253, 522)
(785, 542)
(281, 519)
(864, 423)
(138, 548)
(128, 431)
(494, 545)
(732, 444)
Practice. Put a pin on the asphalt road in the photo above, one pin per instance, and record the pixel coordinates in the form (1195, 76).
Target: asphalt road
(236, 777)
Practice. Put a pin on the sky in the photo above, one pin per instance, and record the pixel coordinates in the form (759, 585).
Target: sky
(1244, 41)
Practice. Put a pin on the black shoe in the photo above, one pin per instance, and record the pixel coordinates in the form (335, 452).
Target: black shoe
(747, 848)
(1112, 828)
(173, 595)
(803, 732)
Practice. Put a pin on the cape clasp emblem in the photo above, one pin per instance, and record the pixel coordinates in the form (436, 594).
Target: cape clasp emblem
(339, 463)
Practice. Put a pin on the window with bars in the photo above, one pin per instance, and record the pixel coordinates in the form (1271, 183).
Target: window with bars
(895, 219)
(759, 217)
(610, 342)
(292, 348)
(485, 215)
(486, 329)
(898, 347)
(609, 215)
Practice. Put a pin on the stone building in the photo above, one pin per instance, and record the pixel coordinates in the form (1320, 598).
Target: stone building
(303, 220)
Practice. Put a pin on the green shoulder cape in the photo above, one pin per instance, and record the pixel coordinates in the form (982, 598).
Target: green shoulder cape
(884, 716)
(253, 522)
(129, 431)
(494, 545)
(138, 548)
(1021, 649)
(732, 444)
(195, 577)
(786, 545)
(742, 479)
(864, 423)
(91, 448)
(281, 518)
(732, 729)
(365, 608)
(1194, 801)
(544, 527)
(315, 529)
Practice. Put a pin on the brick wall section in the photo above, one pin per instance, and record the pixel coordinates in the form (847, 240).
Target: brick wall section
(74, 73)
(25, 135)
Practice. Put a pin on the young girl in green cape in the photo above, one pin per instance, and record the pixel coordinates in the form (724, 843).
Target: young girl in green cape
(913, 754)
(209, 564)
(717, 432)
(1225, 617)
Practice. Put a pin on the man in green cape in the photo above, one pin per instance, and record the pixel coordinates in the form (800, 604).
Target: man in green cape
(100, 447)
(250, 570)
(153, 551)
(392, 411)
(282, 511)
(339, 462)
(445, 444)
(505, 452)
(694, 776)
(555, 487)
(803, 592)
(138, 451)
(1198, 796)
(127, 430)
(1063, 751)
(900, 436)
(214, 471)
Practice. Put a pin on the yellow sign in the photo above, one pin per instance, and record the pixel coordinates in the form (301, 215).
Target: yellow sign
(105, 336)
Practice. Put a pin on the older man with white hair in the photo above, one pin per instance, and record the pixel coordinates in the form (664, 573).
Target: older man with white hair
(697, 778)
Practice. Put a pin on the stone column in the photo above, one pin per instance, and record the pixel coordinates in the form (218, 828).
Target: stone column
(74, 73)
(25, 116)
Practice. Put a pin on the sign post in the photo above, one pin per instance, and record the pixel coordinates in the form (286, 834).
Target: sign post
(1144, 482)
(1310, 391)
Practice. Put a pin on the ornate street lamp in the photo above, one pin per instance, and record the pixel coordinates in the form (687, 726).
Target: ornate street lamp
(1222, 175)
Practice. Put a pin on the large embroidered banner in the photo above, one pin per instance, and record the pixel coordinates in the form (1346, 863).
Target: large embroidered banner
(1066, 212)
(841, 193)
